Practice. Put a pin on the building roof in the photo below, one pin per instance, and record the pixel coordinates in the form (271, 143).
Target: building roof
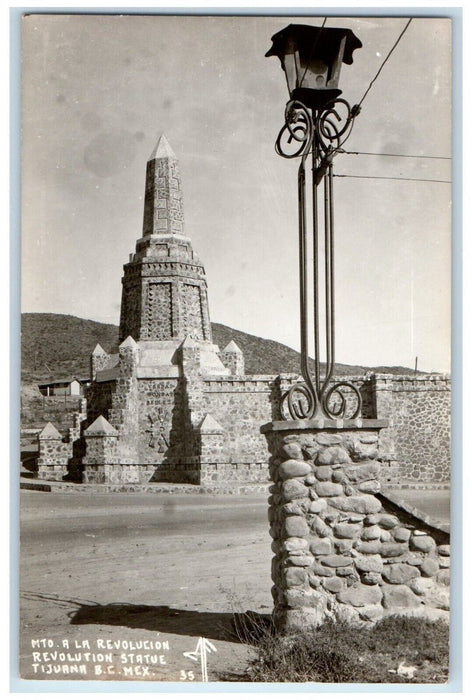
(64, 382)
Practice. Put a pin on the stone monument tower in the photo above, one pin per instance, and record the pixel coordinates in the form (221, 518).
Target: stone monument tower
(164, 287)
(169, 406)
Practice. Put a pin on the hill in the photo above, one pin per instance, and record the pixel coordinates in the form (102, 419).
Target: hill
(56, 345)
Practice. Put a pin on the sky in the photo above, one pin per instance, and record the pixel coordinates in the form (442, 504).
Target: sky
(97, 93)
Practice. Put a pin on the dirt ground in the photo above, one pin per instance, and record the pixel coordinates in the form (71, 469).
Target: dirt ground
(122, 586)
(144, 568)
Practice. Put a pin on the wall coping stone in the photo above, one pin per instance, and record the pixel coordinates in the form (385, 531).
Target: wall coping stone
(50, 432)
(107, 375)
(325, 424)
(98, 351)
(101, 427)
(439, 529)
(233, 348)
(242, 378)
(413, 377)
(129, 342)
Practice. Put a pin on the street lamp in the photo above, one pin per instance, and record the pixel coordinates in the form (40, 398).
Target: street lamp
(311, 58)
(317, 121)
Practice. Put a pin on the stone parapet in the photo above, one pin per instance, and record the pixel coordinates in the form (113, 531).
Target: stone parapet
(341, 553)
(411, 382)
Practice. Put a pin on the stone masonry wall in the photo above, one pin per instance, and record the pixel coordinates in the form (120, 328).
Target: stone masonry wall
(158, 423)
(418, 438)
(338, 552)
(241, 405)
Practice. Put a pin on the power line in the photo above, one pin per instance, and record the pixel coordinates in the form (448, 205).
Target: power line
(385, 60)
(393, 155)
(378, 177)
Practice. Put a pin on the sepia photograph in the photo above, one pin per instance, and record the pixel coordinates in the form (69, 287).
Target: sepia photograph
(236, 246)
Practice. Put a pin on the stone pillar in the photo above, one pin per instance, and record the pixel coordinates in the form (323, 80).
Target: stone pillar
(98, 361)
(337, 553)
(54, 454)
(129, 357)
(100, 460)
(123, 415)
(232, 357)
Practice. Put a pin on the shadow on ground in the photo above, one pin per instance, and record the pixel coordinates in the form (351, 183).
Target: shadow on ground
(158, 618)
(222, 626)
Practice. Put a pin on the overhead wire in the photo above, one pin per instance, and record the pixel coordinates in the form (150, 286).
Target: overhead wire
(393, 155)
(385, 61)
(380, 177)
(369, 153)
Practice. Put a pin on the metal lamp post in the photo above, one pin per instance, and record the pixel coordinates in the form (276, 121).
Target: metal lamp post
(317, 122)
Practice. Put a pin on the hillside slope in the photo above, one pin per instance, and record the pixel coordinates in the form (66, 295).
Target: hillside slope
(56, 345)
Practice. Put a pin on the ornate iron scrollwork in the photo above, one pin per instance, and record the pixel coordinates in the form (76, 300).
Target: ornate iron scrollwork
(320, 132)
(298, 127)
(341, 400)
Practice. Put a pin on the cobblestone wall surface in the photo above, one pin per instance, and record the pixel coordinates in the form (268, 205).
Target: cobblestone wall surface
(164, 294)
(241, 406)
(257, 472)
(338, 553)
(191, 313)
(418, 438)
(158, 322)
(53, 460)
(131, 302)
(116, 474)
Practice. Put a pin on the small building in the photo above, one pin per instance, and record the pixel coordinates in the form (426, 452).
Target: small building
(70, 386)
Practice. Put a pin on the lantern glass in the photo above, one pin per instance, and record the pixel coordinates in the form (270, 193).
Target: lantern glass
(291, 65)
